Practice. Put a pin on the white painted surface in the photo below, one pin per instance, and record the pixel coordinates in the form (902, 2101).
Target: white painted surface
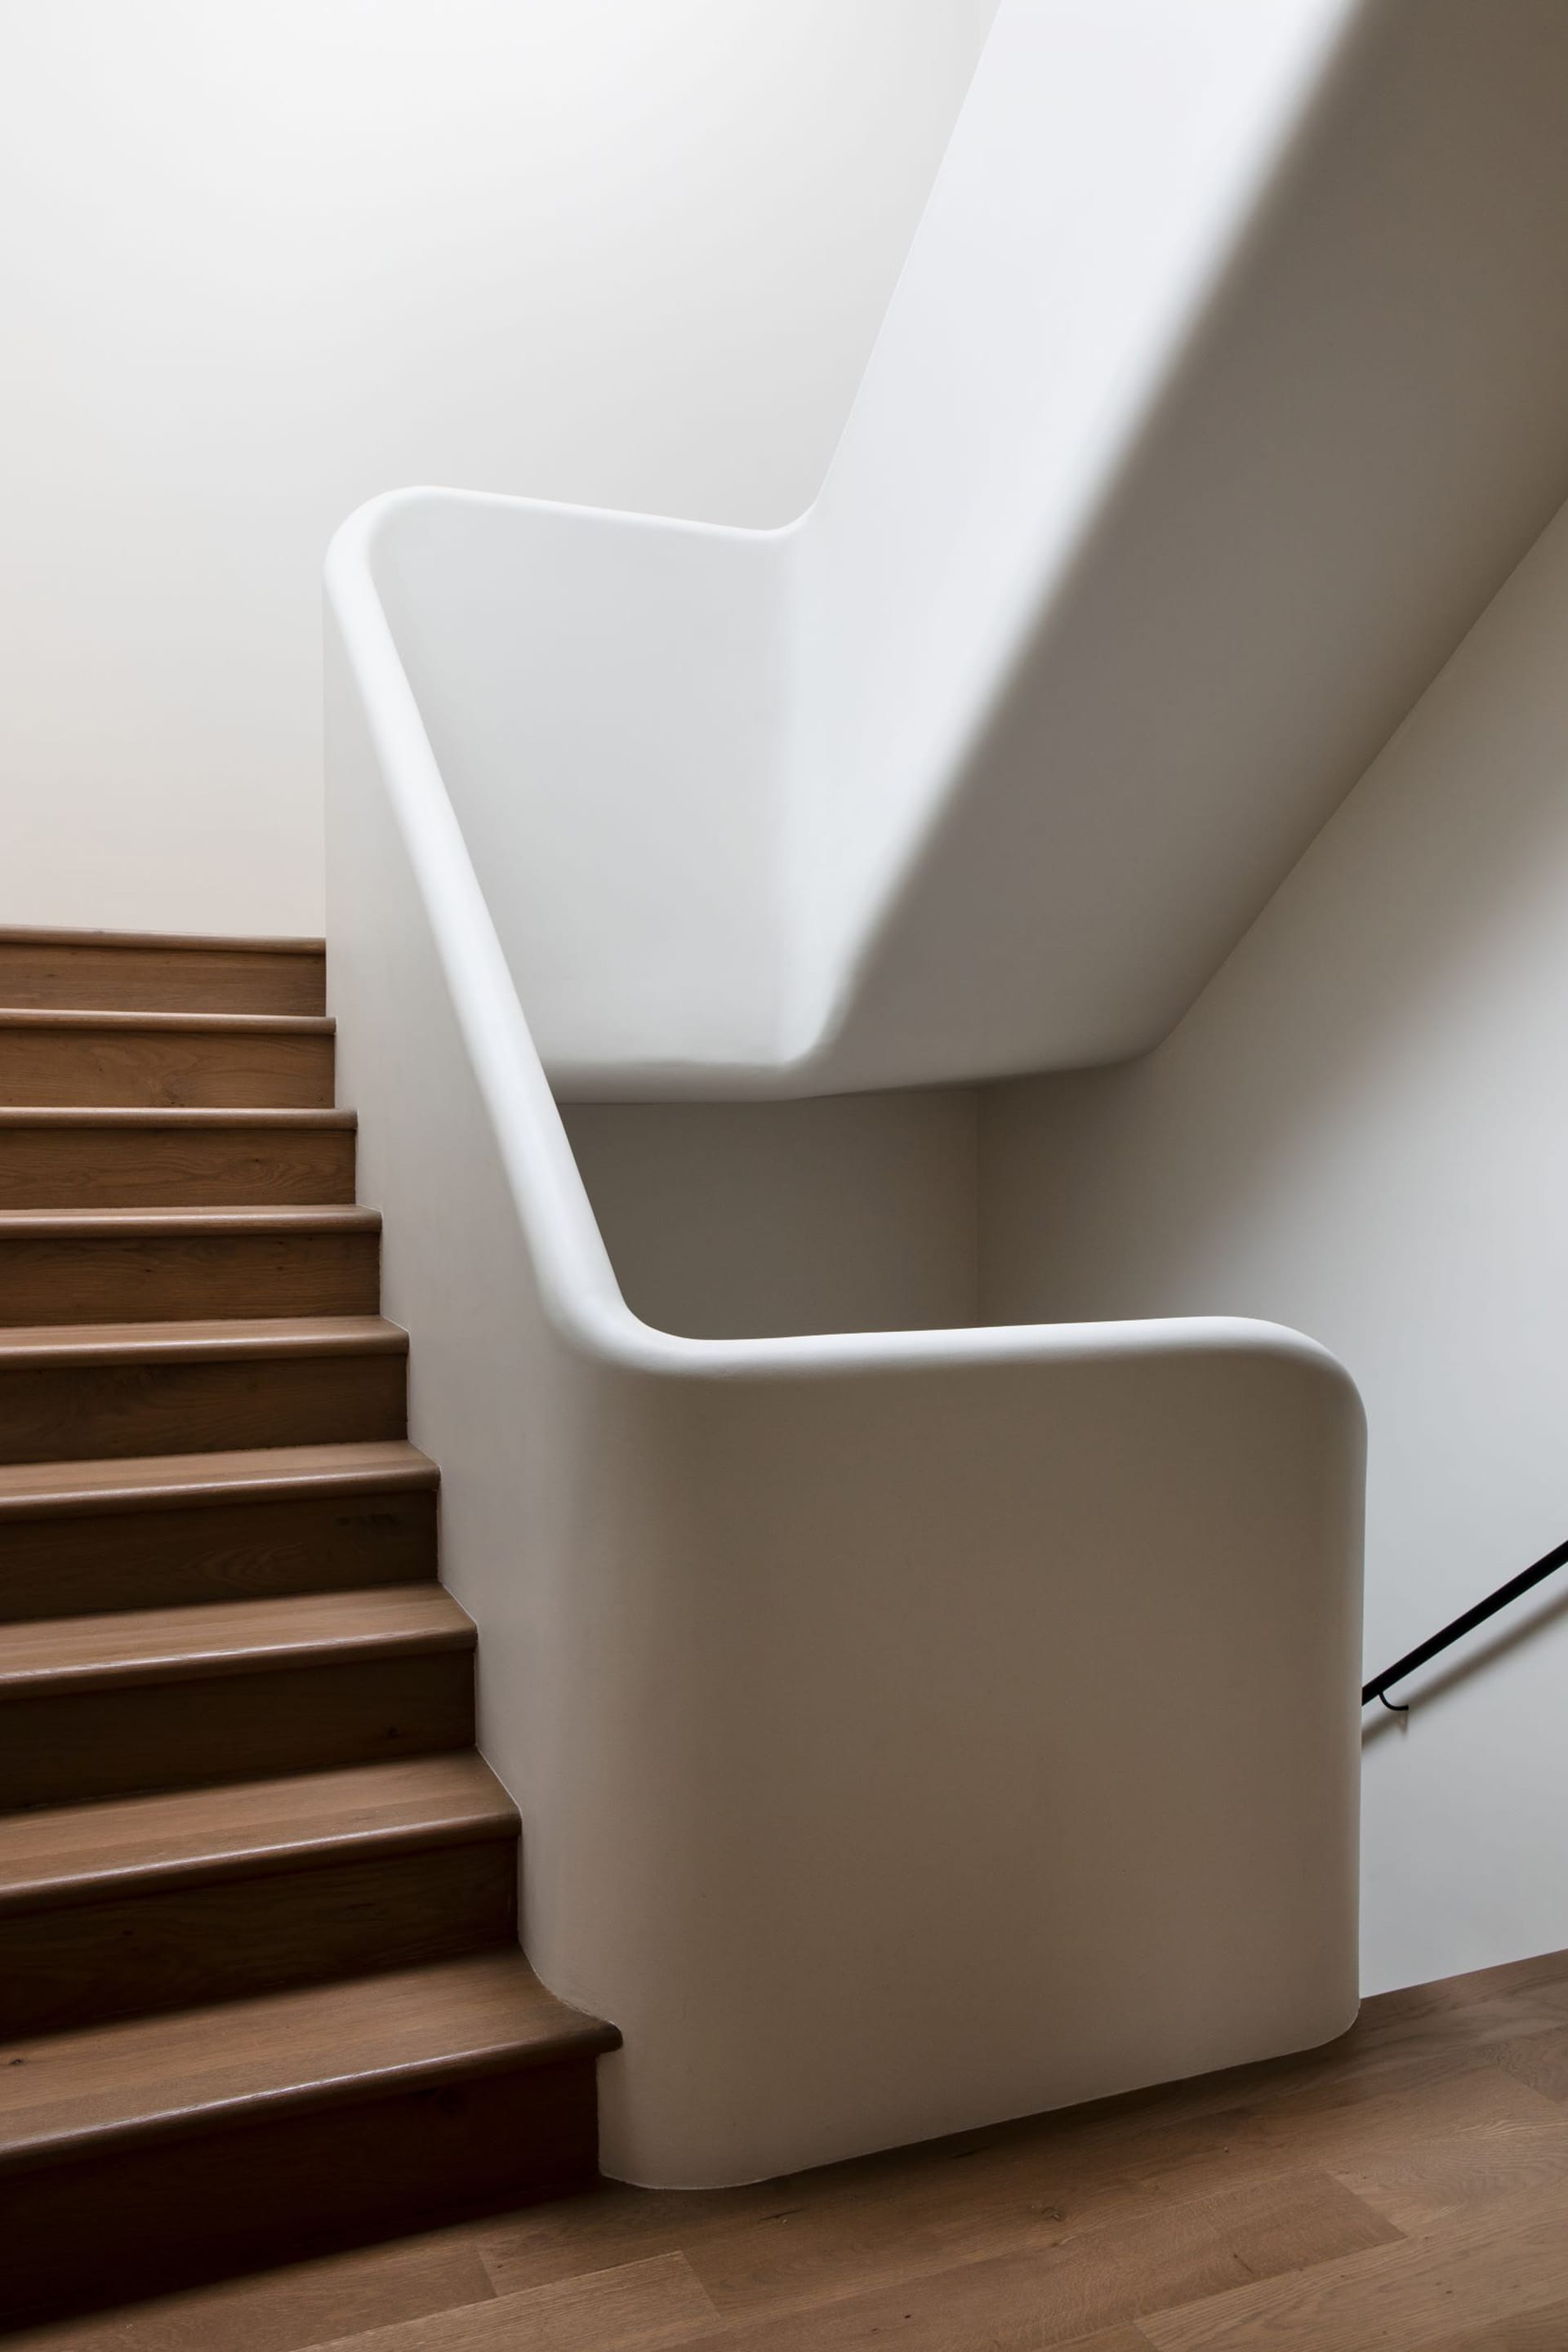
(1362, 1128)
(262, 259)
(607, 699)
(911, 1728)
(857, 1213)
(1223, 385)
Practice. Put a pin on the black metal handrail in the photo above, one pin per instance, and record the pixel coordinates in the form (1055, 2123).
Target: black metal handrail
(1512, 1591)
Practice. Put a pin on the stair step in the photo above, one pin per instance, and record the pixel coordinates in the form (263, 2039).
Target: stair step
(165, 1532)
(146, 2079)
(129, 1159)
(197, 1059)
(142, 972)
(102, 1265)
(260, 1993)
(154, 1698)
(280, 2125)
(93, 1390)
(143, 1904)
(226, 1637)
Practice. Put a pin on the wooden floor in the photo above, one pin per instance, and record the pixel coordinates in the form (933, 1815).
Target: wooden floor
(1406, 2187)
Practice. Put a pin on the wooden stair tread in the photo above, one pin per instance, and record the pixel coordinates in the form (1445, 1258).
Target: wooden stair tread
(79, 1853)
(181, 1118)
(186, 1342)
(28, 935)
(259, 1981)
(119, 1022)
(74, 1224)
(144, 1645)
(243, 2060)
(176, 1480)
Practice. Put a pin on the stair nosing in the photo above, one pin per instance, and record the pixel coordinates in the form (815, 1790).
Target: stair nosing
(78, 1888)
(199, 1483)
(25, 934)
(171, 1115)
(215, 1660)
(198, 1339)
(495, 2053)
(115, 1018)
(325, 1217)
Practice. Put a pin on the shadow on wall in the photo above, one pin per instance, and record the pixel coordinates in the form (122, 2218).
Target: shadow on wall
(1423, 1692)
(1360, 1130)
(1347, 1125)
(856, 1212)
(1358, 1104)
(1367, 1071)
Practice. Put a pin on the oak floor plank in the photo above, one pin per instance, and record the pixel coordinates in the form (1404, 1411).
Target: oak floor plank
(613, 2225)
(1419, 2183)
(856, 2226)
(1413, 2293)
(1099, 2279)
(1539, 2059)
(291, 2310)
(1403, 2190)
(1545, 2330)
(629, 2309)
(782, 2244)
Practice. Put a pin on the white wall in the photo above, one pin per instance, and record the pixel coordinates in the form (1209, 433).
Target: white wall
(1362, 1129)
(1182, 464)
(829, 1671)
(852, 1213)
(259, 262)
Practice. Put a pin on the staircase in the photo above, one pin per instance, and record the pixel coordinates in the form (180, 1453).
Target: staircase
(260, 1992)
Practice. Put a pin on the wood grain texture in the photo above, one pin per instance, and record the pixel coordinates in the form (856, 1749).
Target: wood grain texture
(68, 1855)
(1418, 2189)
(1452, 2167)
(259, 1986)
(162, 1646)
(71, 1399)
(146, 1059)
(155, 1903)
(1184, 2252)
(274, 1537)
(1414, 2292)
(177, 1944)
(126, 1266)
(288, 2310)
(32, 1490)
(315, 1718)
(152, 1159)
(144, 2081)
(186, 2208)
(631, 2309)
(99, 971)
(1542, 2330)
(889, 2222)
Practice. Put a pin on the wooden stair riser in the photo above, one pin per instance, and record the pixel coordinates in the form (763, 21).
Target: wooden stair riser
(183, 1944)
(81, 1563)
(113, 1278)
(197, 1069)
(172, 2212)
(242, 1165)
(57, 972)
(260, 1994)
(70, 1744)
(62, 1412)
